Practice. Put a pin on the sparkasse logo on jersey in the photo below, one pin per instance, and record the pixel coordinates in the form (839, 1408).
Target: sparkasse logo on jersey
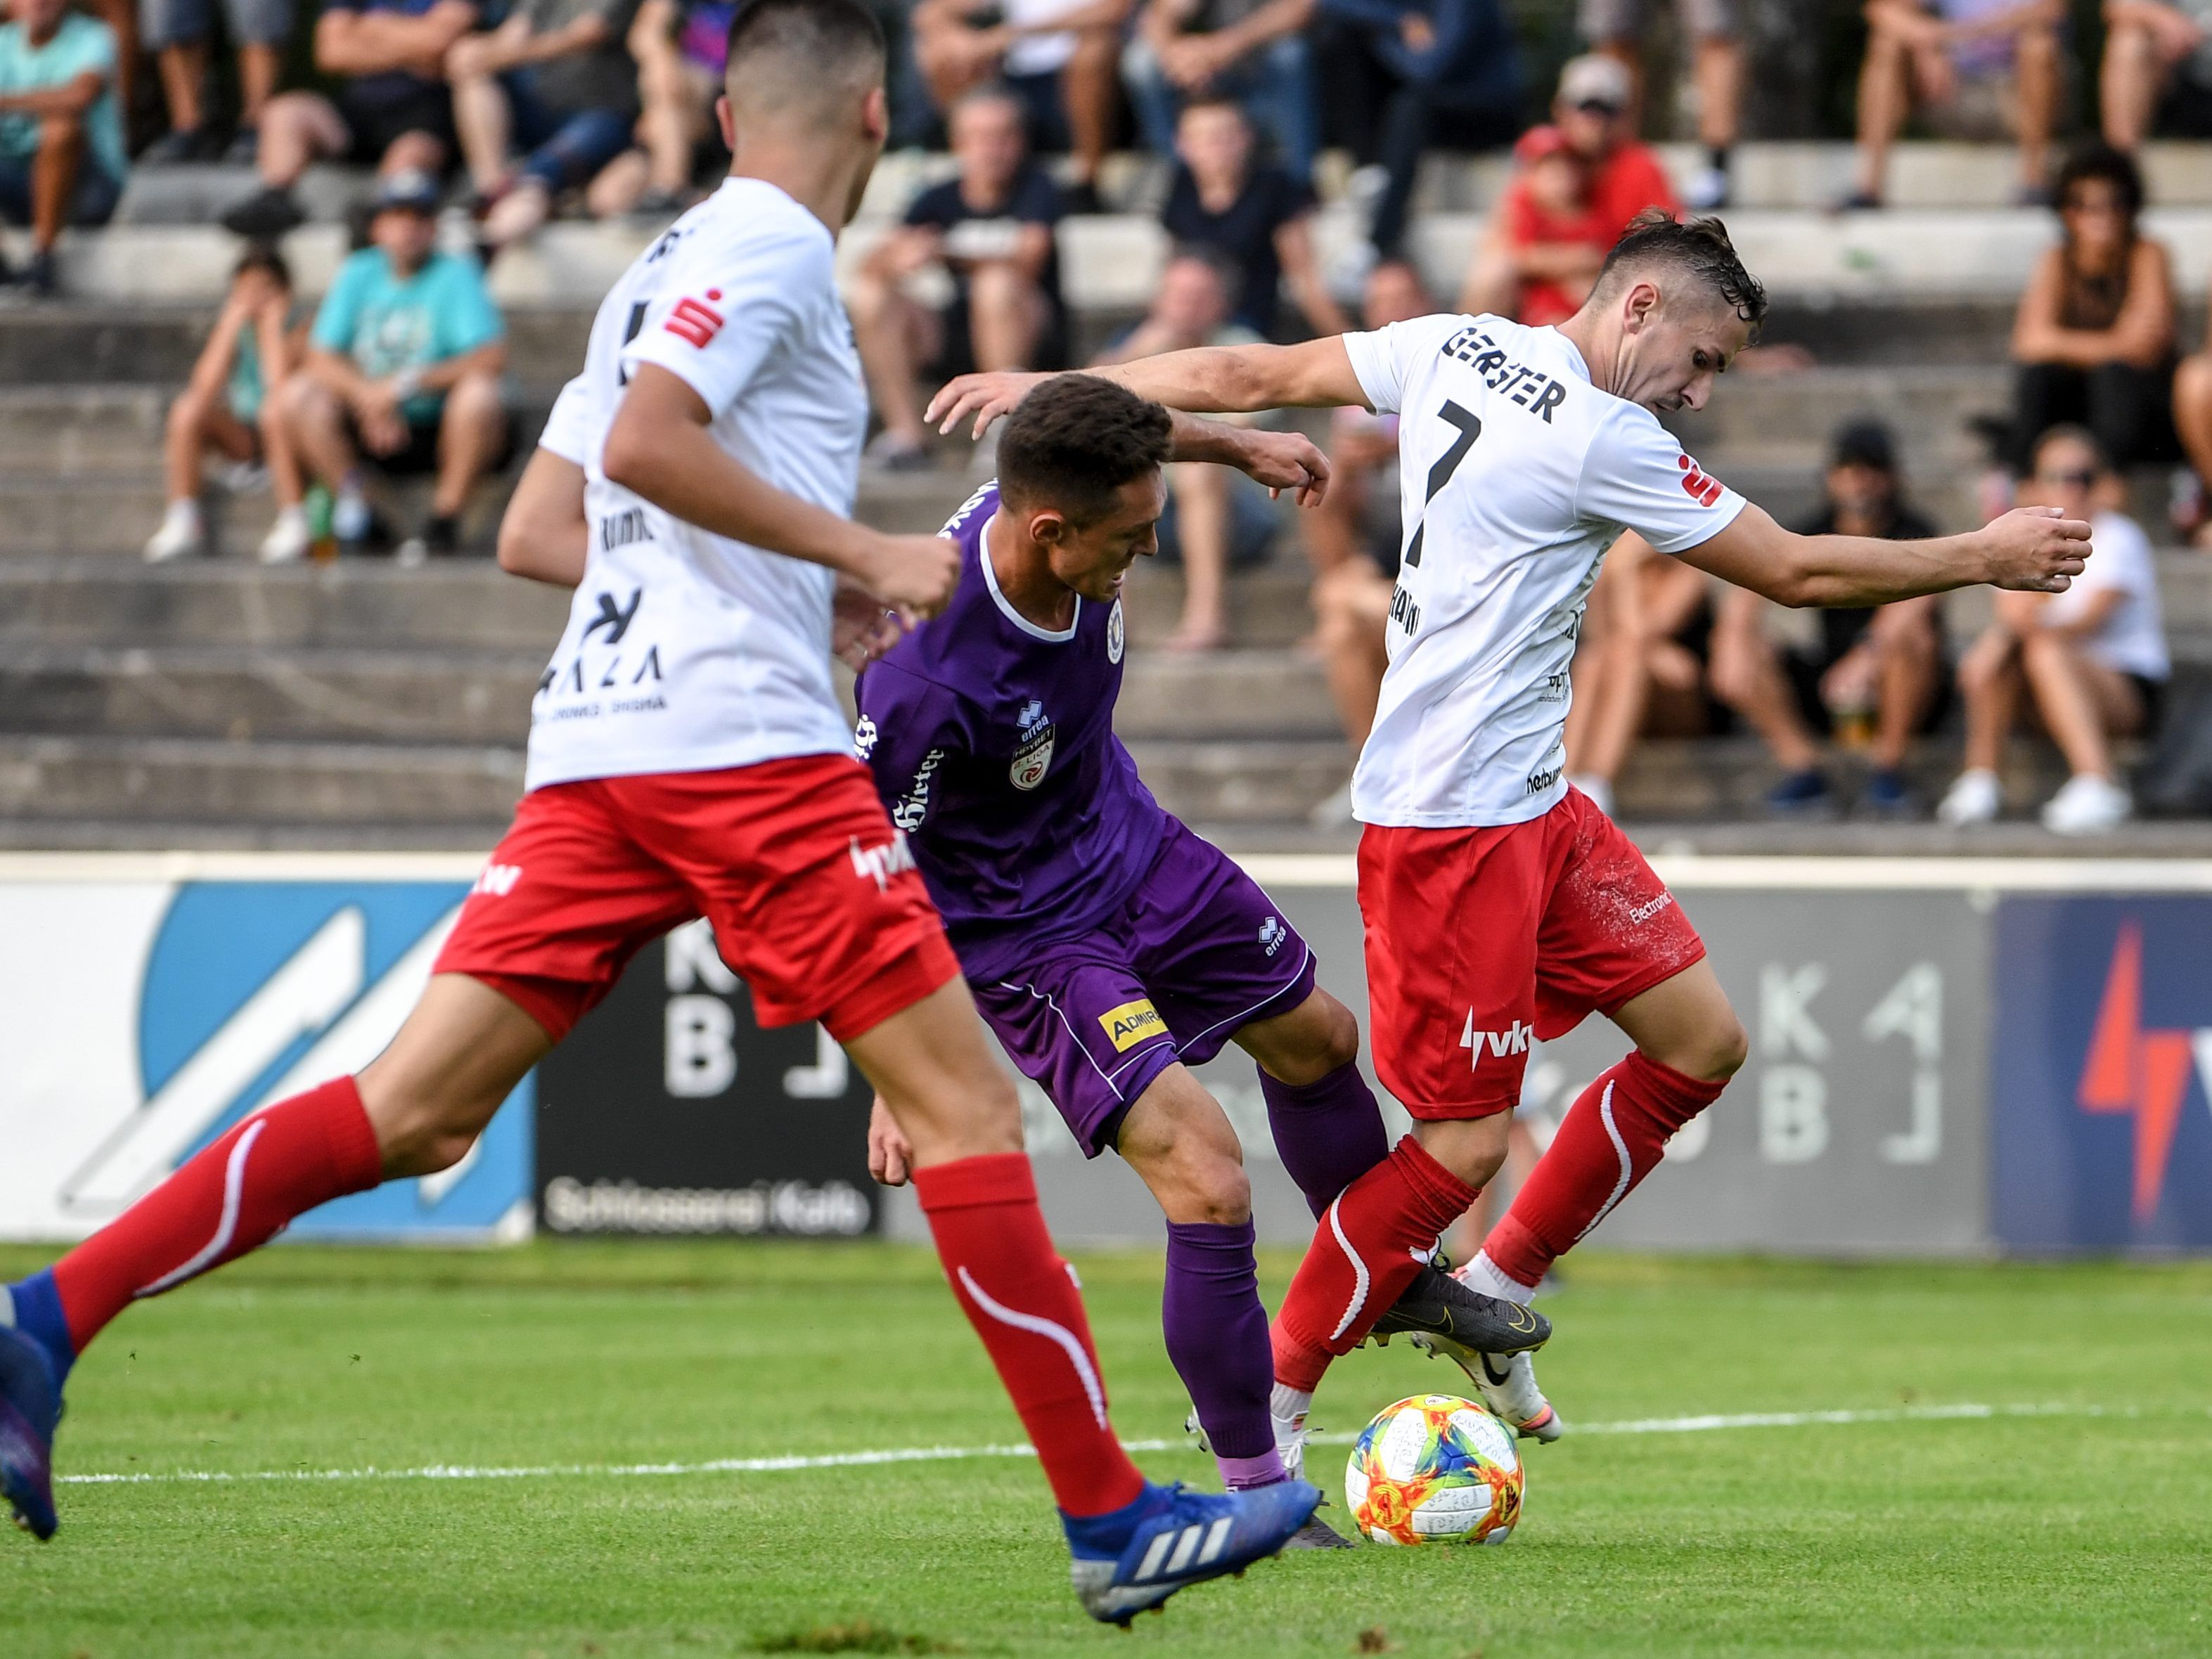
(1699, 486)
(695, 320)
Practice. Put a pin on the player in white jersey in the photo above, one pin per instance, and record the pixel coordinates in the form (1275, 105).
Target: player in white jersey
(1500, 904)
(688, 757)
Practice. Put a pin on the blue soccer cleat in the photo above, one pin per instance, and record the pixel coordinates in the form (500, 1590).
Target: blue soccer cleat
(30, 1408)
(1170, 1539)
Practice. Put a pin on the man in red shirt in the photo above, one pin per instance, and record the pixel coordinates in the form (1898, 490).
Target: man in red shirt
(1577, 185)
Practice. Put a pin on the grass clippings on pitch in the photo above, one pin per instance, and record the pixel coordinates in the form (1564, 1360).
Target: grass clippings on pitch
(1894, 1529)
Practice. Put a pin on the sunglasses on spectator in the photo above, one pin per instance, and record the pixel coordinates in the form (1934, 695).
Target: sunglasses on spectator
(1599, 107)
(2081, 478)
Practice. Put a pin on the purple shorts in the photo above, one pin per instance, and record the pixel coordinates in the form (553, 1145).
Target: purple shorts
(1196, 953)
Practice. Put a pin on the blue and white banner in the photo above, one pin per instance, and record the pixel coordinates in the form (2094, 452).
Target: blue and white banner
(147, 1005)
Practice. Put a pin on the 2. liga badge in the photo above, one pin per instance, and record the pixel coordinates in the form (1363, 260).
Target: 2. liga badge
(1034, 755)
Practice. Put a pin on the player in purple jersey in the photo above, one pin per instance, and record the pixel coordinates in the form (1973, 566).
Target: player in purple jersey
(1109, 947)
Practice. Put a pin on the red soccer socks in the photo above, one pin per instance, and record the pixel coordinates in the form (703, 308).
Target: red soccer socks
(1023, 1301)
(1611, 1137)
(229, 1198)
(1370, 1242)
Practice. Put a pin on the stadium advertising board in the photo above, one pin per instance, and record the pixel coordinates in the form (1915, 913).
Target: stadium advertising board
(2102, 1074)
(668, 1110)
(146, 1005)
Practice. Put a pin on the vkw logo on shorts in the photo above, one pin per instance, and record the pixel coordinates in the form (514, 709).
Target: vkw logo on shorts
(1131, 1024)
(1034, 756)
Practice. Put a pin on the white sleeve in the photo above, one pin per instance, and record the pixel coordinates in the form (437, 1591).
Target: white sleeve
(567, 428)
(2120, 558)
(1384, 360)
(1635, 475)
(735, 298)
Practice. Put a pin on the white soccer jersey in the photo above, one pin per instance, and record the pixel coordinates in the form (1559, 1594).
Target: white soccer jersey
(1515, 474)
(685, 651)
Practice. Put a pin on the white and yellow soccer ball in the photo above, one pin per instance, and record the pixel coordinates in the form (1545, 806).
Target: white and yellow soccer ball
(1435, 1469)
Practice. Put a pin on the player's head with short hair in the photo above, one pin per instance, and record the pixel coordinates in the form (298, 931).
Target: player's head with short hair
(810, 71)
(1080, 466)
(1672, 304)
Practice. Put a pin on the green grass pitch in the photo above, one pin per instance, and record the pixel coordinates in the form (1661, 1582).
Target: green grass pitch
(2084, 1531)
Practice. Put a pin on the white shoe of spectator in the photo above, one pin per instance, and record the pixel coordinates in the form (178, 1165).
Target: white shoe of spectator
(1335, 813)
(1600, 790)
(1708, 191)
(181, 535)
(1973, 798)
(2087, 805)
(289, 538)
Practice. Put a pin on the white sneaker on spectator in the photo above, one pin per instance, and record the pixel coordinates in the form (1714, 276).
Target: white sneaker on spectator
(289, 538)
(1973, 798)
(181, 535)
(349, 518)
(1708, 191)
(1600, 790)
(2087, 805)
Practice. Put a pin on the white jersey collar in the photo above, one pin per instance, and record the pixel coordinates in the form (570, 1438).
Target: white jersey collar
(1006, 606)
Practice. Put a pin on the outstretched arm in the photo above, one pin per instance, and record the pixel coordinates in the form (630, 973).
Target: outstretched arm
(1209, 380)
(2032, 549)
(1280, 460)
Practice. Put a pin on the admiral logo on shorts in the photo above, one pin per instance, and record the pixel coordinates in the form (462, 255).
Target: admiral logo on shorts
(1131, 1024)
(880, 864)
(1513, 1040)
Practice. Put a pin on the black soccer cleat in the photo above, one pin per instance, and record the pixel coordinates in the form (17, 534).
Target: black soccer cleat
(1439, 1305)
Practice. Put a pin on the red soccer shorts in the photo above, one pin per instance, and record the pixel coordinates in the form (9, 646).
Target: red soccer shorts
(814, 899)
(1482, 938)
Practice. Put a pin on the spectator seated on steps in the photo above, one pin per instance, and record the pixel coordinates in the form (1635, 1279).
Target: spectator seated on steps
(1617, 28)
(61, 136)
(2091, 663)
(2157, 72)
(229, 408)
(178, 34)
(402, 374)
(390, 107)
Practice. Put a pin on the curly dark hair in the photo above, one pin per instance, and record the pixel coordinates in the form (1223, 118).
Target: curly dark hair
(2114, 167)
(1697, 247)
(1075, 440)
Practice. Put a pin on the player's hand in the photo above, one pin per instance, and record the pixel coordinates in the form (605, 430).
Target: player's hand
(1286, 460)
(986, 397)
(890, 1158)
(861, 629)
(911, 575)
(2035, 550)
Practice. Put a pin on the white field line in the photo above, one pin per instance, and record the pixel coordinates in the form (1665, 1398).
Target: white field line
(1703, 1424)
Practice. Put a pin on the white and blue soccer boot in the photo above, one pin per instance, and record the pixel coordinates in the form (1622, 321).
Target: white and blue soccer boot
(1134, 1558)
(1507, 1384)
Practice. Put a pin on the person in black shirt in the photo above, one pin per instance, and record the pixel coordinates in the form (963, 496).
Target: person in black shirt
(990, 228)
(1877, 676)
(1257, 218)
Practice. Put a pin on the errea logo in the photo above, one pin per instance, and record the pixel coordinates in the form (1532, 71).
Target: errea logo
(1513, 1040)
(1272, 935)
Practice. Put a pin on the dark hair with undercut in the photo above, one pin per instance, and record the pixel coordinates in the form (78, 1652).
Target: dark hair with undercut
(1075, 440)
(807, 48)
(1699, 248)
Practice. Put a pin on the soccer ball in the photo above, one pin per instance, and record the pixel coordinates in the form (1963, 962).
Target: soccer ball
(1435, 1469)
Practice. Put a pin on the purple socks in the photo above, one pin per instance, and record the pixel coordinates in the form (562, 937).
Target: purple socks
(1328, 1133)
(1217, 1338)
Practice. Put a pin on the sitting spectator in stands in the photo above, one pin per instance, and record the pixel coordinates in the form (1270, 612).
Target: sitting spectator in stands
(2157, 68)
(1876, 675)
(1640, 663)
(1961, 56)
(391, 108)
(681, 47)
(1406, 76)
(1352, 538)
(1258, 218)
(61, 139)
(228, 408)
(991, 228)
(1616, 28)
(1252, 53)
(404, 362)
(177, 32)
(2093, 659)
(2095, 333)
(1575, 186)
(555, 83)
(1216, 517)
(1059, 59)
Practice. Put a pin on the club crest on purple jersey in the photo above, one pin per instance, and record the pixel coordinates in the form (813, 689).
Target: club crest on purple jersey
(1033, 758)
(1115, 637)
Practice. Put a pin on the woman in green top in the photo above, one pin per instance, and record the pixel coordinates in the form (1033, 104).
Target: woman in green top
(248, 356)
